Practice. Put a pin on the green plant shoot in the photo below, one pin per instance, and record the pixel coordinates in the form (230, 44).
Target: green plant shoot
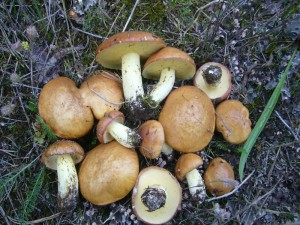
(246, 148)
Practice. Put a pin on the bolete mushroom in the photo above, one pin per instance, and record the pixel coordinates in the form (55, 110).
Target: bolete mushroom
(188, 119)
(156, 196)
(111, 127)
(168, 64)
(108, 173)
(102, 92)
(62, 156)
(219, 177)
(61, 107)
(186, 168)
(215, 80)
(232, 120)
(125, 51)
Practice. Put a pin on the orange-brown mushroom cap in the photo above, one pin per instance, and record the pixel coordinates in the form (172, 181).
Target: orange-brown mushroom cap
(232, 120)
(186, 163)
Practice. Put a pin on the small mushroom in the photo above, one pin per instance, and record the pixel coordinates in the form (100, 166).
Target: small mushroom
(167, 65)
(186, 168)
(188, 119)
(108, 173)
(219, 177)
(215, 80)
(156, 196)
(62, 108)
(111, 127)
(232, 120)
(62, 156)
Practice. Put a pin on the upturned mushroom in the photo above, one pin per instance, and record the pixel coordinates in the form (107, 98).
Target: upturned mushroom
(108, 173)
(62, 156)
(187, 168)
(167, 65)
(125, 51)
(156, 196)
(215, 80)
(232, 120)
(188, 119)
(219, 177)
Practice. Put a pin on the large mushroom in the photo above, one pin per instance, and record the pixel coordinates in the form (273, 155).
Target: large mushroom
(188, 119)
(167, 65)
(62, 156)
(215, 80)
(125, 51)
(156, 196)
(108, 173)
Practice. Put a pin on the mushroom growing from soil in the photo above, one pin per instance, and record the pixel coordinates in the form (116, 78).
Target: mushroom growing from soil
(188, 119)
(125, 51)
(61, 107)
(108, 173)
(219, 177)
(232, 120)
(186, 168)
(156, 196)
(62, 156)
(215, 80)
(167, 65)
(102, 92)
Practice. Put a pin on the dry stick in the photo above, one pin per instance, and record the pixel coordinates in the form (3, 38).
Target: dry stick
(285, 123)
(131, 14)
(115, 20)
(234, 190)
(37, 220)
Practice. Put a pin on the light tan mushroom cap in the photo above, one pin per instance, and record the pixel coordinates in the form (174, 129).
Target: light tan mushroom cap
(186, 163)
(219, 177)
(108, 173)
(169, 57)
(233, 121)
(109, 53)
(100, 91)
(153, 139)
(62, 147)
(188, 119)
(61, 107)
(222, 90)
(156, 176)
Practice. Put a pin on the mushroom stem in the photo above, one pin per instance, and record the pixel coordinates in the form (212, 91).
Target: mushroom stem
(154, 197)
(67, 182)
(212, 75)
(196, 185)
(131, 76)
(124, 135)
(167, 150)
(164, 85)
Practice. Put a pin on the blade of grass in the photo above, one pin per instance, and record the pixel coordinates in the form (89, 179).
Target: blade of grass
(259, 126)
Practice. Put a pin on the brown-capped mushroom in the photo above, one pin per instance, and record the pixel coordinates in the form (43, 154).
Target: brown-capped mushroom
(219, 177)
(186, 168)
(62, 156)
(215, 80)
(232, 120)
(62, 108)
(156, 196)
(108, 173)
(188, 119)
(167, 65)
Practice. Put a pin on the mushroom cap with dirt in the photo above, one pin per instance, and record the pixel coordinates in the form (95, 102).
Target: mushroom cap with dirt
(156, 196)
(188, 119)
(108, 173)
(219, 177)
(62, 108)
(186, 168)
(62, 156)
(215, 80)
(102, 92)
(167, 65)
(232, 120)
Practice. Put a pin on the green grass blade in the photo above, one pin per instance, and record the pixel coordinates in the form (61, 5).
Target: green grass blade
(246, 148)
(46, 129)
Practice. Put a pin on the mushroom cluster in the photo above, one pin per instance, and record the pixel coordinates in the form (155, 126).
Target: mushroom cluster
(184, 126)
